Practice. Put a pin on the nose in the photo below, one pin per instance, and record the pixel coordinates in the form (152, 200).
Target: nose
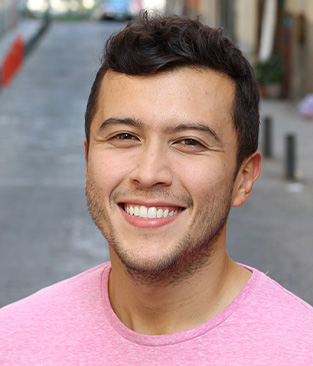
(153, 168)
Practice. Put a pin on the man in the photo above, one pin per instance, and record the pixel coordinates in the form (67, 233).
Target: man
(171, 145)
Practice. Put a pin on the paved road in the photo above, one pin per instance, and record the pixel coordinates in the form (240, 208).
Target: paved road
(46, 233)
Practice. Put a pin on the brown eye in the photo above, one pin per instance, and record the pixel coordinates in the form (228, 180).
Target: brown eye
(125, 136)
(190, 146)
(190, 142)
(124, 140)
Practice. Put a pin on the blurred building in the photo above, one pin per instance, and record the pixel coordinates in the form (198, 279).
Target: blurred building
(9, 10)
(261, 28)
(298, 29)
(264, 27)
(12, 12)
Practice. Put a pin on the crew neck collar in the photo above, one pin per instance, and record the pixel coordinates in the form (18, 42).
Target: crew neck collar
(169, 339)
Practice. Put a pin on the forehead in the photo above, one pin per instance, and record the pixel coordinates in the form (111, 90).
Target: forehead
(163, 99)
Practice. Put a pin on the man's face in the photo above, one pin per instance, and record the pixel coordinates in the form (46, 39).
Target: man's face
(160, 168)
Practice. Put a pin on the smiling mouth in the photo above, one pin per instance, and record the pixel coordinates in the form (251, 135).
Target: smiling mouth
(145, 212)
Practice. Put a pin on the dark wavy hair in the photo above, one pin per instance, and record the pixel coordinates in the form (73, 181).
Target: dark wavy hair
(156, 43)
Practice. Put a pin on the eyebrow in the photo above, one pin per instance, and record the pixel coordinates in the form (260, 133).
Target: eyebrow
(181, 127)
(117, 121)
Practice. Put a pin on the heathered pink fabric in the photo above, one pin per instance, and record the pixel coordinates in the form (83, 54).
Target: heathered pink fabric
(72, 323)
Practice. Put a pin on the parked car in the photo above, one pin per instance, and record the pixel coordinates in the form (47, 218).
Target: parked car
(115, 10)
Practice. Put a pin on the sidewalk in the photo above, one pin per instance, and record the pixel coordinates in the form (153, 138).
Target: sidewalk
(276, 221)
(16, 44)
(286, 120)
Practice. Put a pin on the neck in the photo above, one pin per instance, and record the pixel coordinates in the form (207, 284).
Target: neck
(156, 310)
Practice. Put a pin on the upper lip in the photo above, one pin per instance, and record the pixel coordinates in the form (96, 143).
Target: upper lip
(151, 204)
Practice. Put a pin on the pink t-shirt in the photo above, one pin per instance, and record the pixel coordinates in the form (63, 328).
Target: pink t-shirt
(72, 323)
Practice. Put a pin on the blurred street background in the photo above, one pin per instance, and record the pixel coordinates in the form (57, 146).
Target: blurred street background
(49, 54)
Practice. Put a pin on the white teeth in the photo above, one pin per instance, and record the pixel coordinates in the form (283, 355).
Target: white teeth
(149, 213)
(152, 213)
(143, 212)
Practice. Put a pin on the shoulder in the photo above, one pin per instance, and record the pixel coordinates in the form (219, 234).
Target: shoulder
(275, 323)
(271, 306)
(61, 298)
(272, 293)
(59, 318)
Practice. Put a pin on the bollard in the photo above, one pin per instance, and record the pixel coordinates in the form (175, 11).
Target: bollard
(290, 162)
(267, 141)
(12, 61)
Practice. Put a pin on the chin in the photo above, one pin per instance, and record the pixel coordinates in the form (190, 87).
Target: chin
(146, 260)
(166, 268)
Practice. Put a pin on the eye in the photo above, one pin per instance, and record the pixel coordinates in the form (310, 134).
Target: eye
(191, 142)
(125, 136)
(189, 145)
(124, 140)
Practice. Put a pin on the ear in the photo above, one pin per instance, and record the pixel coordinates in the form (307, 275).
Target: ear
(248, 173)
(86, 154)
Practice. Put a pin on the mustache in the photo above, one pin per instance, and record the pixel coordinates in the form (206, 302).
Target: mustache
(158, 193)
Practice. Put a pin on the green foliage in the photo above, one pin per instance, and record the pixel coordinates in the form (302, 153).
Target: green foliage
(269, 71)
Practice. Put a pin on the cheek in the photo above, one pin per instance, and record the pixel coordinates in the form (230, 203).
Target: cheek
(106, 170)
(202, 178)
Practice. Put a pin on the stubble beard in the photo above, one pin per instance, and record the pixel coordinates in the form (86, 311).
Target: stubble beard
(189, 256)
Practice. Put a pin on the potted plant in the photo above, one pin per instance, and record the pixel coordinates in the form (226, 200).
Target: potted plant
(270, 74)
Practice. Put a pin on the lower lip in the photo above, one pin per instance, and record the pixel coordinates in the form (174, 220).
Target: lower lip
(148, 223)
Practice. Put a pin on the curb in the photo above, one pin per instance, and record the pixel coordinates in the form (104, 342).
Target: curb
(30, 44)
